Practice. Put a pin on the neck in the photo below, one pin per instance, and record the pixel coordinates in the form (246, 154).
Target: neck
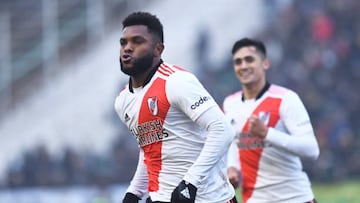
(251, 91)
(139, 80)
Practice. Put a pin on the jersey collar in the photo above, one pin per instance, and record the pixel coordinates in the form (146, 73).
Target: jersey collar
(148, 77)
(261, 93)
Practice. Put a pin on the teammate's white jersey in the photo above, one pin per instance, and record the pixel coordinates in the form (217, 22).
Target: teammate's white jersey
(172, 117)
(271, 168)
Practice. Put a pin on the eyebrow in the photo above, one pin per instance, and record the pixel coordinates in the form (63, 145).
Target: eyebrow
(246, 58)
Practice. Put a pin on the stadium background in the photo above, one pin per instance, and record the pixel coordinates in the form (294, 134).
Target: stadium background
(60, 139)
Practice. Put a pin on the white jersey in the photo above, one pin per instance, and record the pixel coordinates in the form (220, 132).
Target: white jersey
(172, 118)
(271, 168)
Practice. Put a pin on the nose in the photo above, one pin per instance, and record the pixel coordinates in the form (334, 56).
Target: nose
(126, 48)
(243, 65)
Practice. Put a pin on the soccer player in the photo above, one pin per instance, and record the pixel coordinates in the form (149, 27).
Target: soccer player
(273, 133)
(182, 133)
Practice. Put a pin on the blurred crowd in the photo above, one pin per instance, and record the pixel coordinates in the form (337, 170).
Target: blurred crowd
(314, 48)
(72, 168)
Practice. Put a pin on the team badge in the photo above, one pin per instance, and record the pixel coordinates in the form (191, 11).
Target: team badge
(153, 105)
(264, 117)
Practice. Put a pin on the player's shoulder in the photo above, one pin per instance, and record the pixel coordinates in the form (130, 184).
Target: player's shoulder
(178, 74)
(234, 97)
(167, 70)
(121, 97)
(282, 92)
(123, 90)
(278, 89)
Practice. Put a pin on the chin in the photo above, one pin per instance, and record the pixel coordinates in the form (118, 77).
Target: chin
(126, 69)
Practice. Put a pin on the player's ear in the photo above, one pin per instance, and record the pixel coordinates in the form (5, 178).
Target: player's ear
(266, 64)
(159, 48)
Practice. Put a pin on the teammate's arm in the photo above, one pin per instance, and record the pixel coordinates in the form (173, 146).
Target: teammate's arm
(233, 164)
(300, 138)
(233, 156)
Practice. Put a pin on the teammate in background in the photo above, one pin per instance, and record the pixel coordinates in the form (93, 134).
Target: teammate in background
(182, 133)
(273, 133)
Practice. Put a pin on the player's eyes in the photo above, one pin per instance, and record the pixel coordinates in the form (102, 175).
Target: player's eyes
(237, 61)
(122, 42)
(138, 40)
(249, 59)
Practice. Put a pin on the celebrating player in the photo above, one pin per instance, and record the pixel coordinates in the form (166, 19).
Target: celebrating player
(182, 133)
(273, 133)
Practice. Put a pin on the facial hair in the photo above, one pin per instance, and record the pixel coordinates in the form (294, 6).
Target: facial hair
(139, 65)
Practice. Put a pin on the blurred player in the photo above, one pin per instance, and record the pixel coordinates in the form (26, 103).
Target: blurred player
(273, 133)
(182, 133)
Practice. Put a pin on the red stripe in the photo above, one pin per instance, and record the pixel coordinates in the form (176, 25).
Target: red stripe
(152, 152)
(162, 72)
(166, 68)
(249, 159)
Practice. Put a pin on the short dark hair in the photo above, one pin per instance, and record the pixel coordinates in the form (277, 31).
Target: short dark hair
(144, 18)
(245, 42)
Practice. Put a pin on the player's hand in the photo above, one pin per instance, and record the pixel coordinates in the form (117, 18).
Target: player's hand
(257, 127)
(148, 200)
(130, 198)
(185, 192)
(233, 175)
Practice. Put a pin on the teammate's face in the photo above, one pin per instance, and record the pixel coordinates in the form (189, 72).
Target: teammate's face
(137, 50)
(250, 66)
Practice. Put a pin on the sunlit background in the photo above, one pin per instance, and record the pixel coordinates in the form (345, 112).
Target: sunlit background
(60, 138)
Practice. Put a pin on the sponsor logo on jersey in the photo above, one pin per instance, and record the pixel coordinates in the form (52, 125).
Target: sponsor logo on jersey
(248, 141)
(127, 118)
(149, 132)
(185, 192)
(153, 105)
(199, 102)
(303, 123)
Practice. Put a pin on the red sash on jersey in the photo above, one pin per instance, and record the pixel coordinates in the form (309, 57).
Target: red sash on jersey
(249, 158)
(154, 107)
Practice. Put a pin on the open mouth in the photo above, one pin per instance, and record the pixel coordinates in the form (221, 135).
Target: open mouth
(126, 58)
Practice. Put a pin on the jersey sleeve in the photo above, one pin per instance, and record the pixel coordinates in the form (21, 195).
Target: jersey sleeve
(186, 92)
(139, 182)
(300, 138)
(233, 156)
(189, 95)
(219, 136)
(225, 105)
